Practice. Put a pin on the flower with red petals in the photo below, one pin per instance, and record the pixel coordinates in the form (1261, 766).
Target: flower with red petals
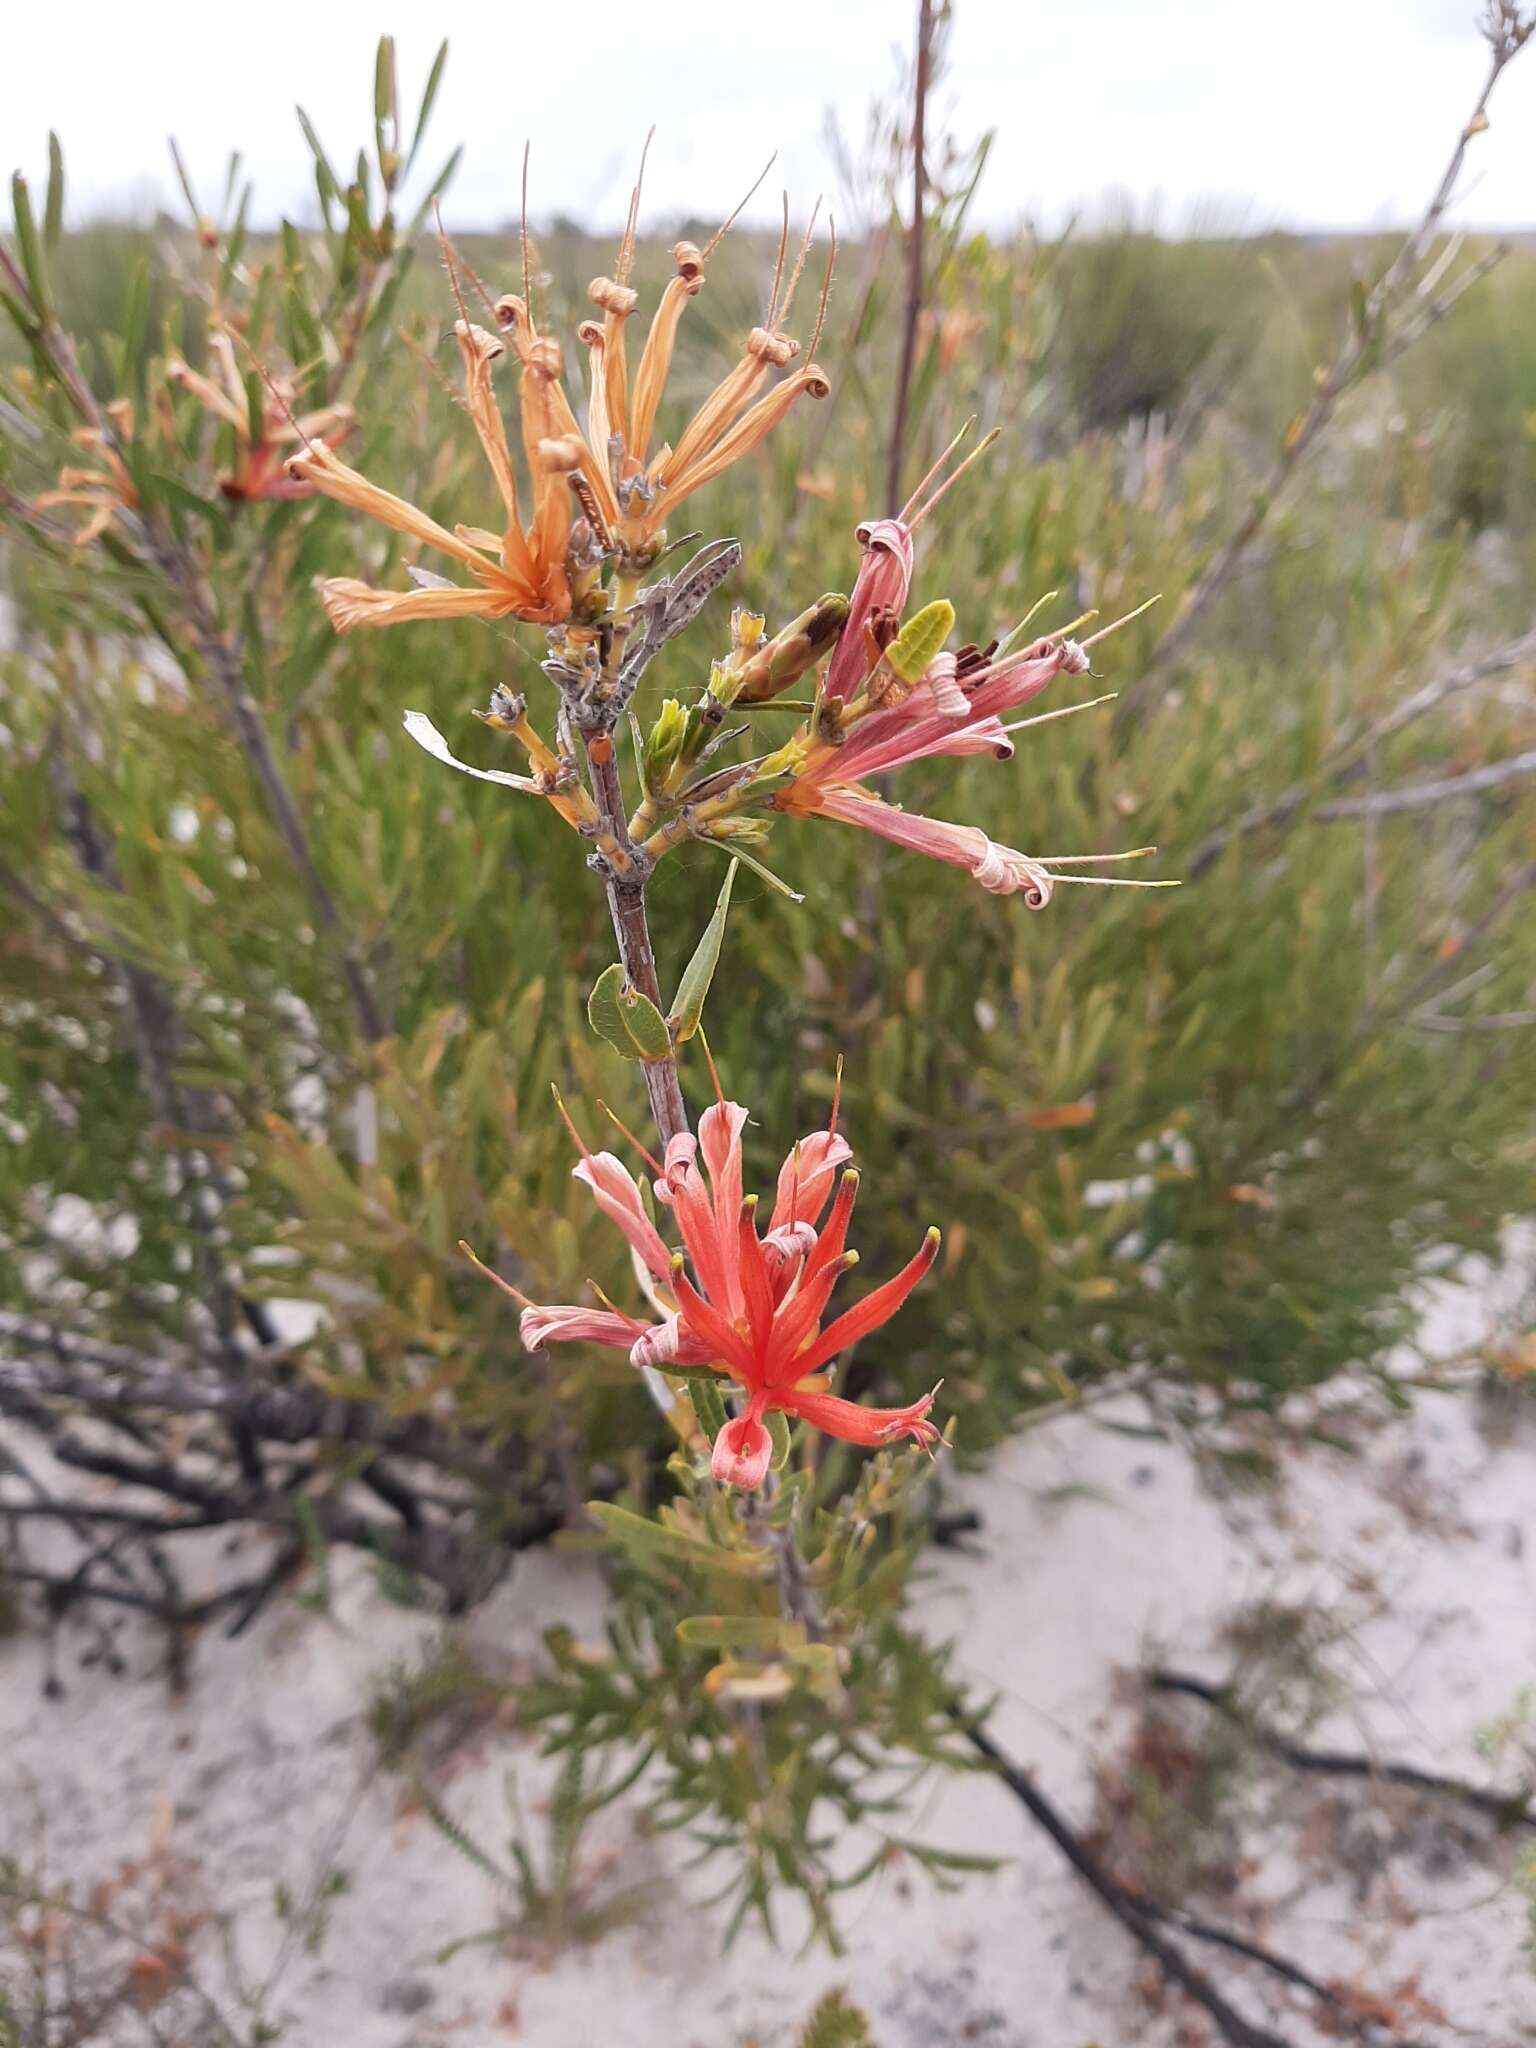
(745, 1302)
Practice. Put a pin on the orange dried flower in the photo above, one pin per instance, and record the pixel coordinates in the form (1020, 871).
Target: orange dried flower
(597, 490)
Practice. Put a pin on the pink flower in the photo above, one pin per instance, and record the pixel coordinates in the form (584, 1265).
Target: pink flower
(753, 1305)
(948, 713)
(620, 1201)
(1002, 869)
(540, 1326)
(954, 709)
(884, 577)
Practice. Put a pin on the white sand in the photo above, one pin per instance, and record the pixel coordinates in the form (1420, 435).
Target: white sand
(1096, 1549)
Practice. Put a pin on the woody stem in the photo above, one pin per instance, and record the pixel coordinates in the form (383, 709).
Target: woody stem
(624, 879)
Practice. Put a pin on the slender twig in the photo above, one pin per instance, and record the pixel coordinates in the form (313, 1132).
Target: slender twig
(1199, 1929)
(1420, 795)
(1499, 1020)
(1127, 1909)
(1135, 1911)
(224, 666)
(912, 310)
(287, 1414)
(1506, 1809)
(1523, 879)
(625, 891)
(1366, 346)
(1348, 758)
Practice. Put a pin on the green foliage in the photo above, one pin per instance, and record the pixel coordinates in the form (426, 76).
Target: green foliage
(693, 990)
(549, 1900)
(629, 1021)
(836, 2024)
(1202, 1135)
(782, 1722)
(411, 1705)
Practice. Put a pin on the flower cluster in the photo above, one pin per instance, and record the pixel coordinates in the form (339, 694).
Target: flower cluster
(260, 414)
(597, 490)
(751, 1310)
(104, 493)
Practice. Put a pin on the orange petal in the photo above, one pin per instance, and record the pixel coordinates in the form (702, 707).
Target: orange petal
(349, 603)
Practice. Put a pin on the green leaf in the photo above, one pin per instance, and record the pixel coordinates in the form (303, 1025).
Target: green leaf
(26, 326)
(649, 1542)
(778, 1429)
(234, 242)
(952, 1859)
(434, 80)
(740, 1632)
(920, 639)
(386, 113)
(645, 1025)
(255, 407)
(326, 192)
(708, 1406)
(29, 248)
(688, 1003)
(603, 1011)
(629, 1021)
(384, 80)
(184, 179)
(53, 211)
(322, 161)
(774, 881)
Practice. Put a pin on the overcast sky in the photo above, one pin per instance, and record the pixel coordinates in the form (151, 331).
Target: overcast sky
(1312, 113)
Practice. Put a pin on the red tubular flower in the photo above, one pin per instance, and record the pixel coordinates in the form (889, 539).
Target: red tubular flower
(753, 1305)
(873, 716)
(884, 577)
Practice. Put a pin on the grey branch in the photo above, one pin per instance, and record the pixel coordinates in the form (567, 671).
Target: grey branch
(1422, 794)
(1366, 347)
(1349, 759)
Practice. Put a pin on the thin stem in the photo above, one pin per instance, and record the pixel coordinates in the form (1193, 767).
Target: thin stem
(223, 664)
(624, 881)
(1234, 2027)
(914, 301)
(1366, 347)
(1349, 758)
(1508, 1809)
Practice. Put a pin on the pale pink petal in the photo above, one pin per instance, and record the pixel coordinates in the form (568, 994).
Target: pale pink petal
(792, 1241)
(805, 1178)
(541, 1326)
(949, 700)
(618, 1197)
(1007, 872)
(879, 744)
(884, 577)
(1006, 684)
(1002, 869)
(720, 1129)
(784, 1254)
(742, 1454)
(668, 1343)
(676, 1160)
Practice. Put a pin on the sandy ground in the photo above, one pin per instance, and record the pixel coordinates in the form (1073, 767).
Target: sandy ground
(1098, 1550)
